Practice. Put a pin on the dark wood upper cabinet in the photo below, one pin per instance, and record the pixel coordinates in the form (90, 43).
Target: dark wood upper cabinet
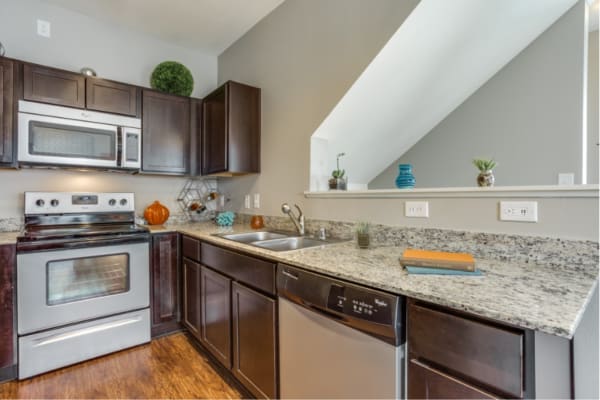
(254, 341)
(165, 283)
(49, 85)
(215, 292)
(196, 137)
(165, 133)
(231, 130)
(112, 97)
(7, 316)
(7, 111)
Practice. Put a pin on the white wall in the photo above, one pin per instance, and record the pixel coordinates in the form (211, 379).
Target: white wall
(115, 53)
(80, 41)
(529, 113)
(593, 129)
(304, 56)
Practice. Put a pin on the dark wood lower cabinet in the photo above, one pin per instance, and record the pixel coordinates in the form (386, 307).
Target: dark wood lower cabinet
(456, 355)
(215, 293)
(165, 283)
(254, 341)
(191, 297)
(7, 316)
(426, 382)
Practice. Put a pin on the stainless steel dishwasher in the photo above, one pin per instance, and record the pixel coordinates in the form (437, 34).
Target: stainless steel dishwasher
(338, 340)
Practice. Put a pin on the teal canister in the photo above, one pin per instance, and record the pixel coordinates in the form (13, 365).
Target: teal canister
(405, 179)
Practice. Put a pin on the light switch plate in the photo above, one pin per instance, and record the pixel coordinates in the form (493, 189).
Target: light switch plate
(416, 209)
(520, 211)
(43, 28)
(256, 200)
(566, 178)
(247, 201)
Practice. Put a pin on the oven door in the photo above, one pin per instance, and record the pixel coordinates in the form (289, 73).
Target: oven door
(61, 287)
(53, 140)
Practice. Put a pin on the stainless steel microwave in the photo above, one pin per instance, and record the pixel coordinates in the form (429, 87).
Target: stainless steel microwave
(54, 135)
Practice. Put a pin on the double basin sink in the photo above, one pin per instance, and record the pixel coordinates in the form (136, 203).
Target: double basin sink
(275, 240)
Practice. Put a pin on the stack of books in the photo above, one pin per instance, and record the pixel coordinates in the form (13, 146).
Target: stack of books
(438, 263)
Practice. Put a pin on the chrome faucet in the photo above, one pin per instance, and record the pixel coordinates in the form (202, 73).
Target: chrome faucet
(298, 221)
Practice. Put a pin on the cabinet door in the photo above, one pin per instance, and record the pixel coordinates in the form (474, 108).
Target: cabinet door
(243, 128)
(113, 97)
(426, 382)
(191, 296)
(6, 111)
(196, 137)
(7, 331)
(215, 293)
(165, 306)
(54, 86)
(214, 132)
(165, 133)
(254, 344)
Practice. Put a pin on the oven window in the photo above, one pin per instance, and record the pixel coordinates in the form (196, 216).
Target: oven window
(71, 141)
(84, 278)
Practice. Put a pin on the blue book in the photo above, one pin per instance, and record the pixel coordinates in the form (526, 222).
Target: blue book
(441, 271)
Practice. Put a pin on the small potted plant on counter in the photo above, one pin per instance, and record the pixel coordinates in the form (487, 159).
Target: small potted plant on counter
(486, 175)
(337, 180)
(363, 238)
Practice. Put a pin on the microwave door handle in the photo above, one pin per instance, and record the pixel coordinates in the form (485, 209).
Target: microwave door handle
(120, 147)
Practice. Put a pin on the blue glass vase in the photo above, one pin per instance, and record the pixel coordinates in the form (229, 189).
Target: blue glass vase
(405, 179)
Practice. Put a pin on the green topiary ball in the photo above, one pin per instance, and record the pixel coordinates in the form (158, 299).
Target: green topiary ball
(172, 77)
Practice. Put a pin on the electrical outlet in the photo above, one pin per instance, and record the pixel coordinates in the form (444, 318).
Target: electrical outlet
(247, 201)
(256, 200)
(566, 178)
(43, 28)
(419, 209)
(520, 211)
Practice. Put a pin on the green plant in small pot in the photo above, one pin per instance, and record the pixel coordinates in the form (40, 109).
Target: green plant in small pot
(337, 180)
(172, 77)
(363, 237)
(486, 173)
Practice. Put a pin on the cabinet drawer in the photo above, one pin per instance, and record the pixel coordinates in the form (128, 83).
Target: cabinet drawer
(252, 271)
(190, 248)
(426, 382)
(483, 352)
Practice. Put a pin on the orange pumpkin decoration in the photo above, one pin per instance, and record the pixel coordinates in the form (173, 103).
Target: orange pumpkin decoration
(156, 213)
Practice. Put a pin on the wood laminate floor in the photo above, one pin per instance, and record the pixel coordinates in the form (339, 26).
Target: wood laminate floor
(169, 367)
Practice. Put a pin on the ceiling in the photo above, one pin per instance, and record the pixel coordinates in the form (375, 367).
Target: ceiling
(209, 26)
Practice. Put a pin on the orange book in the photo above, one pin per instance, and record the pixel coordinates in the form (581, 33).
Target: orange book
(438, 259)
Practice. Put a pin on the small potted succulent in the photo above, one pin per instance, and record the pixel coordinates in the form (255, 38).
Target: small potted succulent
(363, 238)
(337, 180)
(486, 173)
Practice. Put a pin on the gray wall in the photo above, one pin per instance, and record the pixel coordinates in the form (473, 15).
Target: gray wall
(79, 41)
(528, 117)
(115, 53)
(593, 108)
(304, 56)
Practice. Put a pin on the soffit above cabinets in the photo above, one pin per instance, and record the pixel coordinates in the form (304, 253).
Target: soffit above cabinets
(209, 26)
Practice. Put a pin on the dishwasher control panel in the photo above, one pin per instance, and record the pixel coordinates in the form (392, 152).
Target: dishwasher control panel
(362, 304)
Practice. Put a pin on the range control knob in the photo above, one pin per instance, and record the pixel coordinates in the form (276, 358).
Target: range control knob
(54, 202)
(112, 202)
(40, 203)
(123, 202)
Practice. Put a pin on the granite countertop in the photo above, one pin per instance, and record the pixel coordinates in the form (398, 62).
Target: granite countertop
(549, 299)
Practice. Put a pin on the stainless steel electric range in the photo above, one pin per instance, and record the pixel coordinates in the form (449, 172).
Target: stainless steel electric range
(82, 279)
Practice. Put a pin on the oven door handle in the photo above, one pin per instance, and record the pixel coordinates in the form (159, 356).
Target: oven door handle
(61, 244)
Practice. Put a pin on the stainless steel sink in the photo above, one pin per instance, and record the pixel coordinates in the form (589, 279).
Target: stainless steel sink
(290, 243)
(275, 240)
(250, 237)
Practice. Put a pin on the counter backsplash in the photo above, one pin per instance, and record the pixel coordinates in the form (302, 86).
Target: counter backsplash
(495, 246)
